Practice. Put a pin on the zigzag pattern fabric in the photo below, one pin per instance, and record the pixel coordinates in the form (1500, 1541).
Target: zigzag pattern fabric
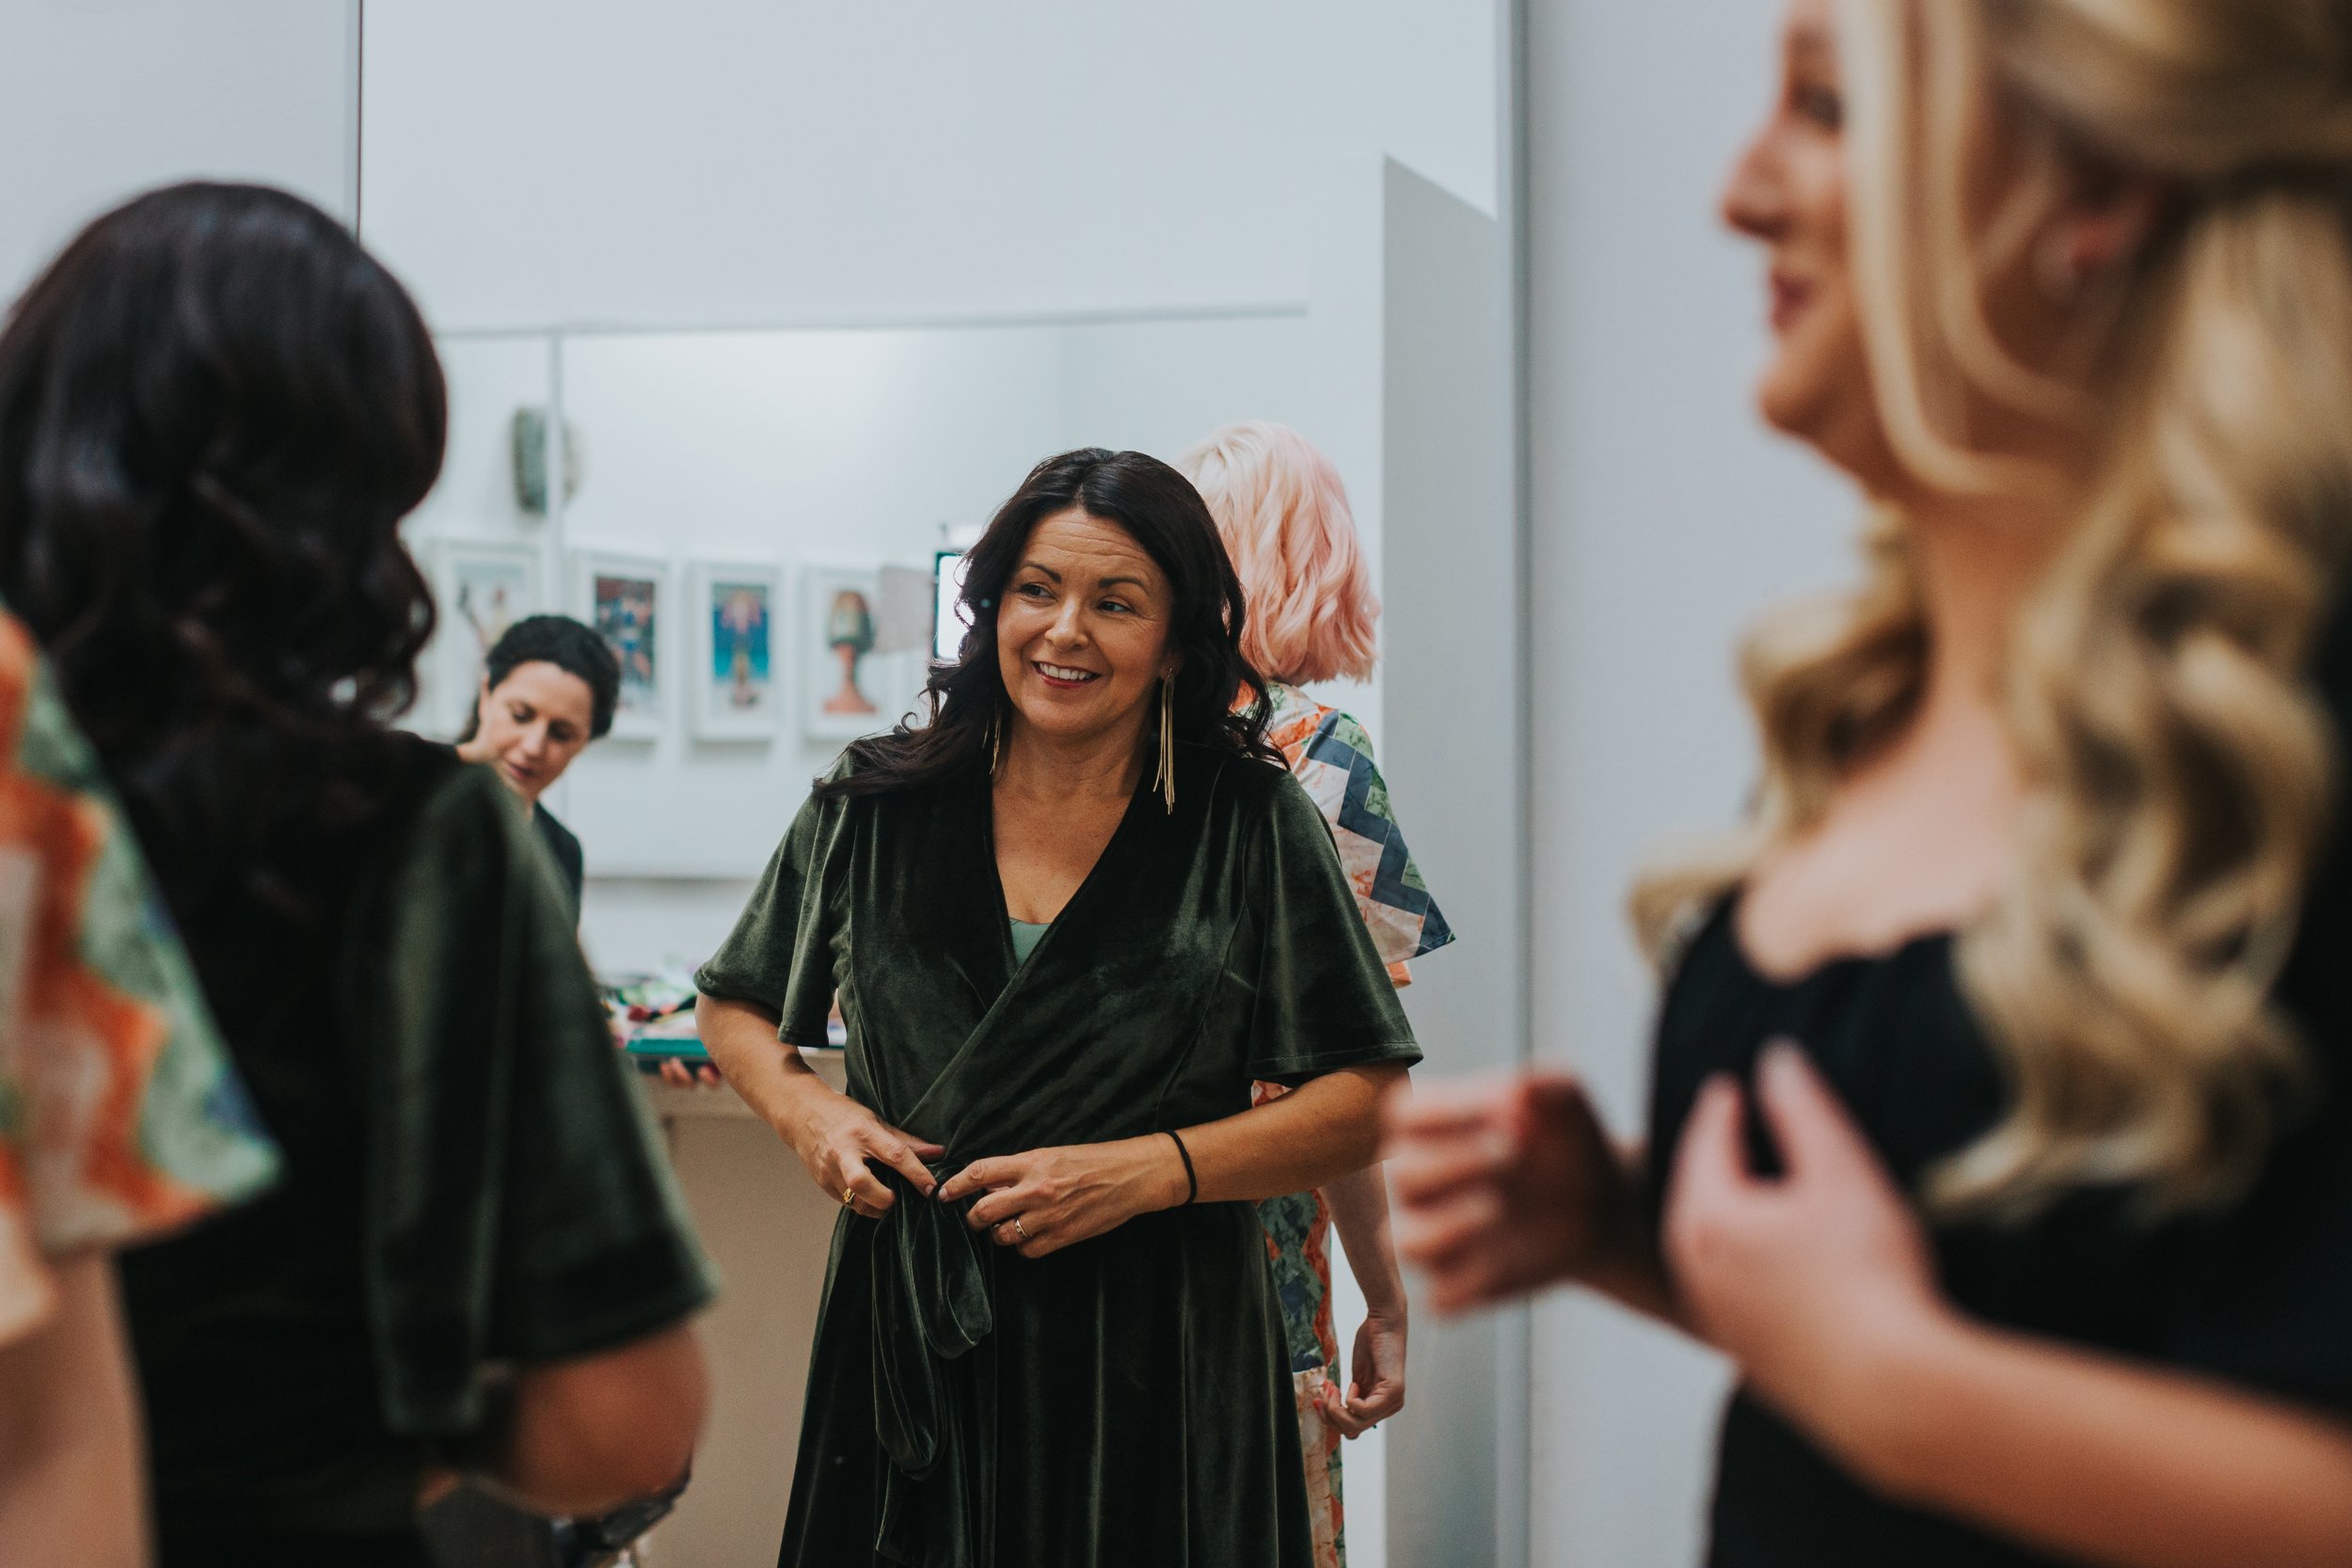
(1330, 755)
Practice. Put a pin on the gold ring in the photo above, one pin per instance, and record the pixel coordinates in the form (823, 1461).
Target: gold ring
(1019, 1229)
(845, 1198)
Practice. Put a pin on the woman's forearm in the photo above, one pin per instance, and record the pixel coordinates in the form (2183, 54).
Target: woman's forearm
(71, 1477)
(2119, 1463)
(1305, 1139)
(1627, 1268)
(1360, 1212)
(765, 1071)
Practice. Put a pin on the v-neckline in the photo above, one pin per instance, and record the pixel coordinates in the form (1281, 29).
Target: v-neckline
(1012, 961)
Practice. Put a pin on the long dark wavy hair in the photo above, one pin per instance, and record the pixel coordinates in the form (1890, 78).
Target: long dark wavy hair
(1159, 509)
(214, 410)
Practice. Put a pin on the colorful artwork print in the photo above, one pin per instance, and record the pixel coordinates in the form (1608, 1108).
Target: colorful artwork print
(850, 636)
(849, 684)
(737, 617)
(481, 589)
(740, 644)
(624, 608)
(491, 595)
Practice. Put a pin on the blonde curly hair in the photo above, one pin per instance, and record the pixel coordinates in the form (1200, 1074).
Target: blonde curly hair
(2180, 773)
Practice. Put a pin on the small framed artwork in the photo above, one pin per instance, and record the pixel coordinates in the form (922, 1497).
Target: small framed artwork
(625, 597)
(736, 609)
(482, 588)
(843, 694)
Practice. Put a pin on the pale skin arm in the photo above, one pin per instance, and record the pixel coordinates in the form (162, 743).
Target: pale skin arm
(839, 1141)
(1507, 1186)
(1358, 1202)
(1318, 1132)
(71, 1487)
(584, 1436)
(1821, 1285)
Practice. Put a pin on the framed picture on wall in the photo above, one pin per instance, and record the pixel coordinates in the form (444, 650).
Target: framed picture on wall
(626, 598)
(843, 694)
(737, 614)
(482, 588)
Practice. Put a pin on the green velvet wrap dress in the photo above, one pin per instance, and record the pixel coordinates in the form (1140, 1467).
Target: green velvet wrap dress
(1124, 1403)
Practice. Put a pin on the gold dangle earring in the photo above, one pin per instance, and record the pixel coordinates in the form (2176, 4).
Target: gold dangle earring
(995, 741)
(1165, 778)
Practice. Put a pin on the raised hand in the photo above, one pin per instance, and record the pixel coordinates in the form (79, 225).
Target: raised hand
(1505, 1186)
(1050, 1198)
(1796, 1278)
(840, 1142)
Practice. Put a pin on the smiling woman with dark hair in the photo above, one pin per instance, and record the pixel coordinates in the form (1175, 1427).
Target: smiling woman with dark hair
(1070, 921)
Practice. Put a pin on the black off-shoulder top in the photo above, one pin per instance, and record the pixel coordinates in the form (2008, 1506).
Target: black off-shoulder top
(2259, 1295)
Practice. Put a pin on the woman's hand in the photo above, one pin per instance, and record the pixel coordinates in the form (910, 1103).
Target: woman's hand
(1050, 1198)
(680, 1076)
(1376, 1391)
(840, 1142)
(1808, 1281)
(1504, 1187)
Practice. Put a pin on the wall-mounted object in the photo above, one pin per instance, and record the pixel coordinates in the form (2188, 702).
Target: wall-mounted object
(482, 588)
(842, 695)
(626, 598)
(529, 432)
(736, 609)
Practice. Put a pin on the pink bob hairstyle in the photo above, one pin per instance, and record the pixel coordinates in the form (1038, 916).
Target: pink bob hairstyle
(1283, 513)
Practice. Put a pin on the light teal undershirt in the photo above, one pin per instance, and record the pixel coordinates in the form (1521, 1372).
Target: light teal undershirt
(1024, 938)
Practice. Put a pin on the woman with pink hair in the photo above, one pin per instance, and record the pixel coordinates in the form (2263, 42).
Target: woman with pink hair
(1283, 513)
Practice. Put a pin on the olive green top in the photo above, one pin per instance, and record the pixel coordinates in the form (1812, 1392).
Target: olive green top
(1123, 1401)
(1026, 934)
(473, 1180)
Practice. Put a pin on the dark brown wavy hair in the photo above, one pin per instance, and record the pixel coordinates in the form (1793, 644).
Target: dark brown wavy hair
(216, 407)
(1156, 507)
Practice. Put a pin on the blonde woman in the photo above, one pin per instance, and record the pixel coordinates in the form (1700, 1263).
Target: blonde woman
(2002, 1126)
(1283, 514)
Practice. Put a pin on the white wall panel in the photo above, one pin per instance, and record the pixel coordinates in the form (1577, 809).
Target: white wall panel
(102, 99)
(712, 161)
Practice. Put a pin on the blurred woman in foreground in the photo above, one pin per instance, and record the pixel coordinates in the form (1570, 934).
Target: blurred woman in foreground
(119, 1121)
(214, 410)
(2002, 1122)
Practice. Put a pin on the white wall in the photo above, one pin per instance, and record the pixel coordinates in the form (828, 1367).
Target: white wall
(713, 162)
(1662, 520)
(793, 446)
(100, 99)
(1450, 750)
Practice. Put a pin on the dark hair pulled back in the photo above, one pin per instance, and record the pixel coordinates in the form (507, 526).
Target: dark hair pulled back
(573, 647)
(216, 407)
(1158, 508)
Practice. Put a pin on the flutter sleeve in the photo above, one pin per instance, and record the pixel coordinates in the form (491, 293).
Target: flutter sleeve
(1324, 997)
(119, 1114)
(519, 1208)
(780, 956)
(1335, 765)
